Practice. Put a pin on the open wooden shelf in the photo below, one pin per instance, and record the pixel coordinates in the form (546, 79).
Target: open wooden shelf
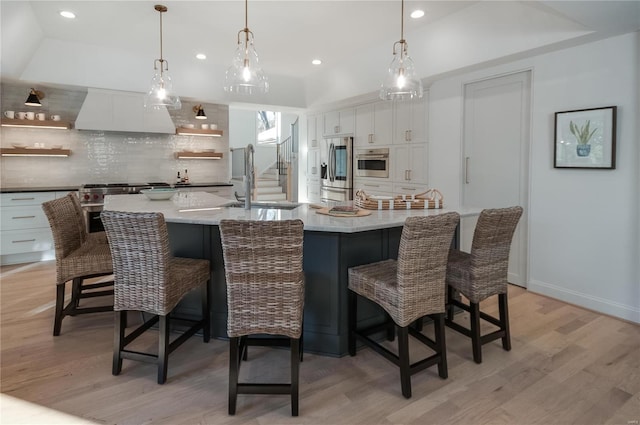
(57, 125)
(184, 131)
(34, 152)
(198, 155)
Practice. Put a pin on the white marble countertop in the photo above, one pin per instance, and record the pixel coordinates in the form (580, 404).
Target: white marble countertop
(206, 208)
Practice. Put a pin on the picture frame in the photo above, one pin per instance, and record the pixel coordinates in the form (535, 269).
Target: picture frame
(585, 138)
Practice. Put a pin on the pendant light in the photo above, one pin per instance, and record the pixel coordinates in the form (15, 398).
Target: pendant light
(401, 81)
(161, 92)
(34, 98)
(245, 74)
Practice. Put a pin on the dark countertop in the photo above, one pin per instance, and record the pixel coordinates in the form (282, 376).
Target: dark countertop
(38, 189)
(74, 188)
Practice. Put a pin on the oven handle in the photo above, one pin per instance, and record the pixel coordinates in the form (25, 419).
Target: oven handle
(367, 156)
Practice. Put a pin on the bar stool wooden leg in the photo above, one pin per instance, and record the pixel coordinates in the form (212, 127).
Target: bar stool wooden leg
(441, 345)
(295, 374)
(352, 319)
(118, 341)
(59, 314)
(504, 321)
(450, 306)
(206, 319)
(474, 317)
(163, 349)
(234, 360)
(403, 360)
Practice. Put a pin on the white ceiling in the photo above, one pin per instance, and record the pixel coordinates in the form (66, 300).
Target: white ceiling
(112, 44)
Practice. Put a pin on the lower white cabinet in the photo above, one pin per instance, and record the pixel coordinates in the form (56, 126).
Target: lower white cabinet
(24, 229)
(313, 190)
(373, 187)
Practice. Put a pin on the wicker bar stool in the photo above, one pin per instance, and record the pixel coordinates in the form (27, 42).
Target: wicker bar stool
(265, 295)
(481, 274)
(407, 289)
(79, 256)
(149, 279)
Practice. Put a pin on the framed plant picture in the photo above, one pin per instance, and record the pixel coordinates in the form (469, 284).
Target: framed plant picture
(585, 138)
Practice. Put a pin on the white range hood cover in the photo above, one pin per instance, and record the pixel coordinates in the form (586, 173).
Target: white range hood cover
(111, 110)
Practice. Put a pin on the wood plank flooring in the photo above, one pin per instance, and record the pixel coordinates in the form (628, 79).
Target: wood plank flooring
(567, 366)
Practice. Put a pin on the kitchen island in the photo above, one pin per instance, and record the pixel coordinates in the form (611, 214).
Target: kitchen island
(331, 246)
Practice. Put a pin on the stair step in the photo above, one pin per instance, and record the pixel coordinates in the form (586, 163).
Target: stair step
(267, 183)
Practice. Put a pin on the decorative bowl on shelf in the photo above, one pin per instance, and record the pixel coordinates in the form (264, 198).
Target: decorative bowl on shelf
(159, 194)
(18, 145)
(56, 146)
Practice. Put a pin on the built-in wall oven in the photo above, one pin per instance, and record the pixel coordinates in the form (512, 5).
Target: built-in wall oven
(372, 162)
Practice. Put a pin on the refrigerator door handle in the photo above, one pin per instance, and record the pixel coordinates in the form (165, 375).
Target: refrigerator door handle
(332, 162)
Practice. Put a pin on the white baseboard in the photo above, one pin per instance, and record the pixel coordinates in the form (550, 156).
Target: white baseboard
(601, 305)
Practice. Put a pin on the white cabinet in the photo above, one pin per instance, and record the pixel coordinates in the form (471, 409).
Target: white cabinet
(410, 121)
(313, 135)
(409, 164)
(313, 164)
(373, 187)
(374, 124)
(313, 191)
(24, 229)
(338, 122)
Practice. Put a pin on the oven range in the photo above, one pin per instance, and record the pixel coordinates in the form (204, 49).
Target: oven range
(92, 198)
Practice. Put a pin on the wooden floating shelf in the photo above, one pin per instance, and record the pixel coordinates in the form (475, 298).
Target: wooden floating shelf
(34, 152)
(198, 155)
(184, 131)
(56, 125)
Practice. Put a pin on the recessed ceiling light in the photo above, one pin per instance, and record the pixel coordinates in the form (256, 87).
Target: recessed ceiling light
(201, 56)
(316, 61)
(68, 14)
(417, 14)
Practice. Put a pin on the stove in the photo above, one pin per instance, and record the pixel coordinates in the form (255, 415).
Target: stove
(92, 198)
(94, 193)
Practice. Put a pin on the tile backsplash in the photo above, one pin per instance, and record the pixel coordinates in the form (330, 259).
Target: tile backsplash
(107, 157)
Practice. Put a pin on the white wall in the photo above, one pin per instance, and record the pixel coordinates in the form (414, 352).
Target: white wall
(583, 224)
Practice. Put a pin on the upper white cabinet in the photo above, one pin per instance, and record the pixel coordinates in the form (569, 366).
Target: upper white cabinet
(374, 124)
(313, 135)
(410, 121)
(338, 122)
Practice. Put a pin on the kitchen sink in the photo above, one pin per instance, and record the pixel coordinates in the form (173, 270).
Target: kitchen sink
(264, 205)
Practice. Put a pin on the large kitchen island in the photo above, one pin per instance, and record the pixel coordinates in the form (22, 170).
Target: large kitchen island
(331, 246)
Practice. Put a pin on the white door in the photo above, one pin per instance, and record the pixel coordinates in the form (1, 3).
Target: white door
(496, 156)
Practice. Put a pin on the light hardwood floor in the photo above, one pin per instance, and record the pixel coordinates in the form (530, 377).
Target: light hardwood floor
(567, 365)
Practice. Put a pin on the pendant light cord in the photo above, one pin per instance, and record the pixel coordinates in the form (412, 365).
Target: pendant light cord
(402, 22)
(161, 60)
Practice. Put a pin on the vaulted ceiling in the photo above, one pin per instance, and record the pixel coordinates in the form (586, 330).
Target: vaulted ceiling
(113, 44)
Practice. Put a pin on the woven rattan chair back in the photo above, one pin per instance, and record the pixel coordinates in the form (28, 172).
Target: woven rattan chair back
(490, 252)
(140, 250)
(265, 281)
(422, 264)
(67, 226)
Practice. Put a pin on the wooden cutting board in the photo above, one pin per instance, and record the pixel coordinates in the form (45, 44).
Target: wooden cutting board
(360, 213)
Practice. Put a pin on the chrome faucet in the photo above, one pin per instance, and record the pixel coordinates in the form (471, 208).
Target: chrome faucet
(248, 176)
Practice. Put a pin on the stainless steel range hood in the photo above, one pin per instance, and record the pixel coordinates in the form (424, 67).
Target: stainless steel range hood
(110, 110)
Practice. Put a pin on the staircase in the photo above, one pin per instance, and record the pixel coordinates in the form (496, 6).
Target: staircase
(268, 186)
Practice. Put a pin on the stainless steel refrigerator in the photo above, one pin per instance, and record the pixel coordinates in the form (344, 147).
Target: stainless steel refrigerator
(336, 169)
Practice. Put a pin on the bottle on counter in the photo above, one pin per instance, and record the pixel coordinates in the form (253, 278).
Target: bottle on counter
(178, 179)
(186, 177)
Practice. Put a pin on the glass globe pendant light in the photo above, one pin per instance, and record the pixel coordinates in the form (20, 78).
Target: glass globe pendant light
(401, 81)
(161, 92)
(245, 75)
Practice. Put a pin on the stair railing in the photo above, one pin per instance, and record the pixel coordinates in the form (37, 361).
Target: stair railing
(283, 159)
